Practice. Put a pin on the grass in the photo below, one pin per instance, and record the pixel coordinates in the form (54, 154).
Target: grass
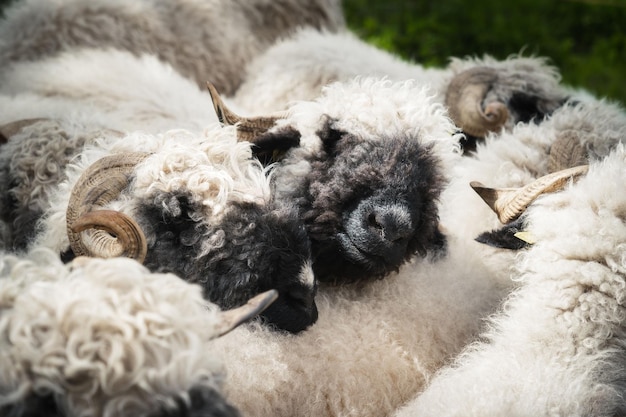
(585, 39)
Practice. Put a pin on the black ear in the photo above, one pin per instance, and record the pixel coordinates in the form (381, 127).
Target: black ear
(271, 146)
(504, 237)
(329, 135)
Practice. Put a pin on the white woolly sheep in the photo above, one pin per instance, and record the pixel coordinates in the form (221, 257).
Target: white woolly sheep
(199, 206)
(203, 40)
(107, 338)
(559, 345)
(482, 94)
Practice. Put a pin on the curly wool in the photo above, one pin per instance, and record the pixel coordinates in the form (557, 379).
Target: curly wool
(103, 337)
(32, 165)
(212, 166)
(564, 326)
(374, 347)
(104, 87)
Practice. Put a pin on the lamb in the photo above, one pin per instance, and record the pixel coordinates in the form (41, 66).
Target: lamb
(202, 40)
(194, 204)
(558, 346)
(104, 337)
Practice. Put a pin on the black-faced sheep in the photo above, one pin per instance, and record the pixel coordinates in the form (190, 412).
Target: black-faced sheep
(364, 163)
(104, 337)
(197, 205)
(203, 40)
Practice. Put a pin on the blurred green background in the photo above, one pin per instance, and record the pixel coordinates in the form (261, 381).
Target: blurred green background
(585, 39)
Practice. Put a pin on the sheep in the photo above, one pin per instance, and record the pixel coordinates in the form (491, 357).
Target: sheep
(200, 39)
(196, 204)
(281, 359)
(378, 343)
(482, 94)
(104, 337)
(364, 164)
(558, 347)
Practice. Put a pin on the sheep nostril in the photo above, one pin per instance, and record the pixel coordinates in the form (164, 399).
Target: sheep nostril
(390, 223)
(373, 223)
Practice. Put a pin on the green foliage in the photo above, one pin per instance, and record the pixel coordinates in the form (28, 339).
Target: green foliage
(585, 39)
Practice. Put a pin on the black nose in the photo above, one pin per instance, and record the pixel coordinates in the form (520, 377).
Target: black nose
(391, 223)
(381, 229)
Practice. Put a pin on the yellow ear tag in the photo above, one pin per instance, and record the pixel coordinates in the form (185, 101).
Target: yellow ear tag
(526, 237)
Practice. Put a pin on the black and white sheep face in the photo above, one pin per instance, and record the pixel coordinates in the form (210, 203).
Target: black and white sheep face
(253, 248)
(364, 165)
(370, 205)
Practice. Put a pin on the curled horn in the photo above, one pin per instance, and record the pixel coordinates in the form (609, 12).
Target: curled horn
(510, 203)
(566, 152)
(104, 233)
(248, 128)
(233, 318)
(464, 99)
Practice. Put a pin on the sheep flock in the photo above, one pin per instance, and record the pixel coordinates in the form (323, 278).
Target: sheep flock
(237, 208)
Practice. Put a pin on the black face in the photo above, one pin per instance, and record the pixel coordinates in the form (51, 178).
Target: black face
(252, 250)
(504, 238)
(368, 205)
(371, 206)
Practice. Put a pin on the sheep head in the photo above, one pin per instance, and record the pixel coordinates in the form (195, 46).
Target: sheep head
(369, 204)
(251, 248)
(487, 98)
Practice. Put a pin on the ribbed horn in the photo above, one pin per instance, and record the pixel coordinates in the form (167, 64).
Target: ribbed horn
(233, 318)
(104, 233)
(248, 128)
(566, 151)
(464, 99)
(510, 203)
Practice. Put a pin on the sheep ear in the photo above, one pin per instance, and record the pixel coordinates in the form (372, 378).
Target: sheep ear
(230, 319)
(272, 146)
(508, 237)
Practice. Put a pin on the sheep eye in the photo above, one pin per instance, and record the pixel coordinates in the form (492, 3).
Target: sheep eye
(329, 134)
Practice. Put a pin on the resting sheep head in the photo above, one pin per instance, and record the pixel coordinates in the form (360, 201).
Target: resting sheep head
(465, 100)
(368, 198)
(253, 246)
(487, 98)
